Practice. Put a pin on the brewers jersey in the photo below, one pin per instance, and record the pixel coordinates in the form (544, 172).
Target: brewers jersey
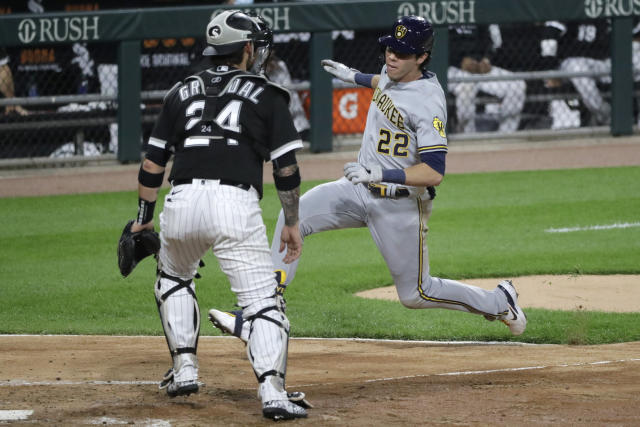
(223, 123)
(404, 121)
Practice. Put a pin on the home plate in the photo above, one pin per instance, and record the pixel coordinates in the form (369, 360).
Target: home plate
(13, 415)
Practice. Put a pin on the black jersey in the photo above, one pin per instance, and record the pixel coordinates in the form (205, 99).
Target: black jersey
(223, 123)
(588, 39)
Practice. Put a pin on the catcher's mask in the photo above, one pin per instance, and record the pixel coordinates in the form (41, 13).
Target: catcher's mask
(230, 30)
(263, 46)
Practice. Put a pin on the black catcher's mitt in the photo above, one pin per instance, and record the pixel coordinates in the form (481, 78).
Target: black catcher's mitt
(134, 247)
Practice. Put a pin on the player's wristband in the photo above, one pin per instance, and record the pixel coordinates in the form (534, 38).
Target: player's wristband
(363, 79)
(145, 211)
(394, 175)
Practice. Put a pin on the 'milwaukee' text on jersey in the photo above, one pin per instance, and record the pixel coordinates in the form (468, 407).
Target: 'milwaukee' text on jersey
(385, 105)
(223, 123)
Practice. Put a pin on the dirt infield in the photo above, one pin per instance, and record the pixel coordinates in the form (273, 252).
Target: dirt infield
(71, 380)
(111, 380)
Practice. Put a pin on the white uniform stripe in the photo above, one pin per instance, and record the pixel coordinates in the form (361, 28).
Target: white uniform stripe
(157, 142)
(286, 148)
(557, 25)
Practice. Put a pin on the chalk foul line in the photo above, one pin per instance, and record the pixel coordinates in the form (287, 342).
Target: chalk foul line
(594, 227)
(15, 414)
(488, 371)
(23, 383)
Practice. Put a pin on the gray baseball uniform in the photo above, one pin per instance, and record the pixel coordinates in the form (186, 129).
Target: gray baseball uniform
(404, 120)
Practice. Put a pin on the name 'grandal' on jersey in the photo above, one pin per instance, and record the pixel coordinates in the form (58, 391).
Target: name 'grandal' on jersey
(386, 107)
(244, 88)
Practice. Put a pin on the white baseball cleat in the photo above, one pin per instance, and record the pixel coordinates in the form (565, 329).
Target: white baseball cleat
(515, 319)
(230, 323)
(182, 388)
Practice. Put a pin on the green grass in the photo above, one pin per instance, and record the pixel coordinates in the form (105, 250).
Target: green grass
(58, 263)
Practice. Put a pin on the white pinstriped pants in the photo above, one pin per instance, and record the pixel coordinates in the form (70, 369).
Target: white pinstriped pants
(205, 214)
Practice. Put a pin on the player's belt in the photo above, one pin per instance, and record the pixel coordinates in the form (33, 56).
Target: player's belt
(383, 190)
(240, 185)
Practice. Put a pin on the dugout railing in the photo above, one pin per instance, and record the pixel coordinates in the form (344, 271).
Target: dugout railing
(128, 28)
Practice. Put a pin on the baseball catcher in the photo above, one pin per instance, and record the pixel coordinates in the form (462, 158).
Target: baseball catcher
(134, 247)
(220, 126)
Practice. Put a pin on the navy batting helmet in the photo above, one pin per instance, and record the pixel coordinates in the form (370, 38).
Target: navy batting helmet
(411, 34)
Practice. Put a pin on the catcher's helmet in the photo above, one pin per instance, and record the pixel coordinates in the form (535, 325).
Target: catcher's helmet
(230, 30)
(411, 34)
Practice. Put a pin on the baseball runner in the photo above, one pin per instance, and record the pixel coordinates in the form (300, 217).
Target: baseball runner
(390, 189)
(220, 125)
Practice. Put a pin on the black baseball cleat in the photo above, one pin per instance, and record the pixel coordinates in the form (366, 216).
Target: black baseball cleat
(277, 410)
(182, 389)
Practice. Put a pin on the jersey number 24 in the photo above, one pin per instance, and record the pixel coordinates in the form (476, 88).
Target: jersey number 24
(228, 118)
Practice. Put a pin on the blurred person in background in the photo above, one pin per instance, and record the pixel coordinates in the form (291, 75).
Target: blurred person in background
(575, 47)
(470, 52)
(7, 89)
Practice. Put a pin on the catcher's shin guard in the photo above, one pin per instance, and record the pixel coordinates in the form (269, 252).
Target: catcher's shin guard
(180, 316)
(267, 348)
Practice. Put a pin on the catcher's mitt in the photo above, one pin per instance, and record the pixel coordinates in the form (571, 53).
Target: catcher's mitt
(134, 247)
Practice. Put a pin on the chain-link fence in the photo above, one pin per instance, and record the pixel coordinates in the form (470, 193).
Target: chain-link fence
(60, 100)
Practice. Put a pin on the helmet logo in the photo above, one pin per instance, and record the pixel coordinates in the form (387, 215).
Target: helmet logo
(401, 31)
(214, 32)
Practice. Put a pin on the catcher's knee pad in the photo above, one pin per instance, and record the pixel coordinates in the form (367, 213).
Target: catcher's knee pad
(179, 313)
(268, 346)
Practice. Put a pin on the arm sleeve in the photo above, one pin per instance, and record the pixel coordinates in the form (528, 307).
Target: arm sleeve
(283, 136)
(287, 159)
(161, 142)
(431, 125)
(435, 160)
